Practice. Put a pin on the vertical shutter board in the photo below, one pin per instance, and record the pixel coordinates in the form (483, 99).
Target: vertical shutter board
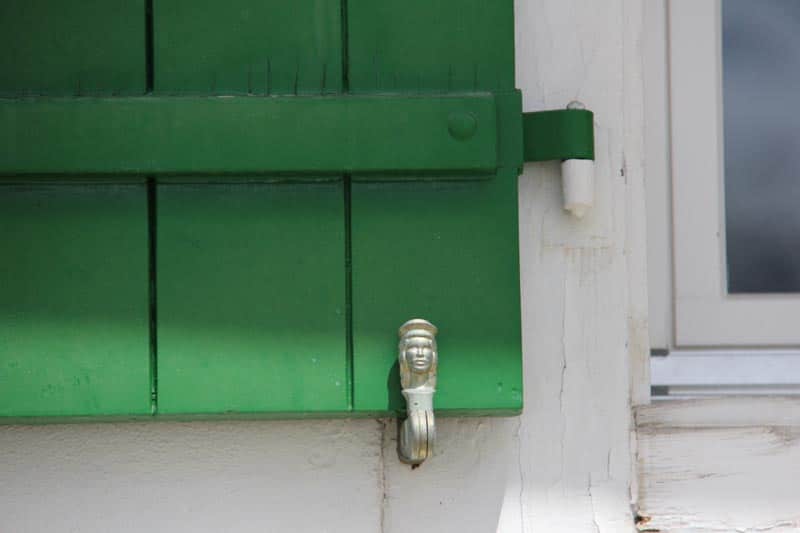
(74, 301)
(433, 250)
(251, 313)
(74, 332)
(58, 48)
(248, 47)
(251, 276)
(444, 46)
(445, 251)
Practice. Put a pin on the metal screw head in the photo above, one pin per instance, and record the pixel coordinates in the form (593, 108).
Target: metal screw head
(462, 125)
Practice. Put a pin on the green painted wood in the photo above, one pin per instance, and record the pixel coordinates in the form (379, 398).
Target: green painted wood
(558, 135)
(444, 251)
(447, 252)
(73, 301)
(247, 47)
(251, 277)
(254, 135)
(58, 47)
(250, 274)
(251, 298)
(509, 132)
(74, 319)
(424, 46)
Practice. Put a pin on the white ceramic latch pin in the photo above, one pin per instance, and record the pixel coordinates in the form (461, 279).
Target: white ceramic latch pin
(577, 180)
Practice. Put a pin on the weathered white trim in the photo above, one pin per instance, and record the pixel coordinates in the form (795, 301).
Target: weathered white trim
(657, 175)
(719, 465)
(720, 413)
(699, 368)
(634, 173)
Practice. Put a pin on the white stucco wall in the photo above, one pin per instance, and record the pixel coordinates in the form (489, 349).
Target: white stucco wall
(564, 465)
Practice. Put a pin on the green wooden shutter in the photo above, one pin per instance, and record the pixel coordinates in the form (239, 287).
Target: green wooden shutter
(230, 207)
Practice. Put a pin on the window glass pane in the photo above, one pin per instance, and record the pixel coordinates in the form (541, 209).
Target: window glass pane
(761, 91)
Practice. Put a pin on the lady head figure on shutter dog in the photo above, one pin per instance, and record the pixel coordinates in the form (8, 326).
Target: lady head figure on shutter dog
(418, 355)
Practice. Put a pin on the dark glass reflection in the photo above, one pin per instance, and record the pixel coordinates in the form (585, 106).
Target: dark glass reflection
(761, 90)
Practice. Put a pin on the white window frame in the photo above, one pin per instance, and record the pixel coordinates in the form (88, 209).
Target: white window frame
(706, 463)
(705, 315)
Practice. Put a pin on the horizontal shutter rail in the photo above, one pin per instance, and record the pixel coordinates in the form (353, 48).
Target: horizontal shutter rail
(249, 135)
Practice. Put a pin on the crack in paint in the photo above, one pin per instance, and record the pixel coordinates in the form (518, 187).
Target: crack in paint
(382, 427)
(591, 504)
(563, 373)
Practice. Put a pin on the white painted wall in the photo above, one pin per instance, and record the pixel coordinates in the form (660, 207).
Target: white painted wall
(564, 465)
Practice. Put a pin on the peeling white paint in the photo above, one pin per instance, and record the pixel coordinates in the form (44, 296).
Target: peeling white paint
(729, 464)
